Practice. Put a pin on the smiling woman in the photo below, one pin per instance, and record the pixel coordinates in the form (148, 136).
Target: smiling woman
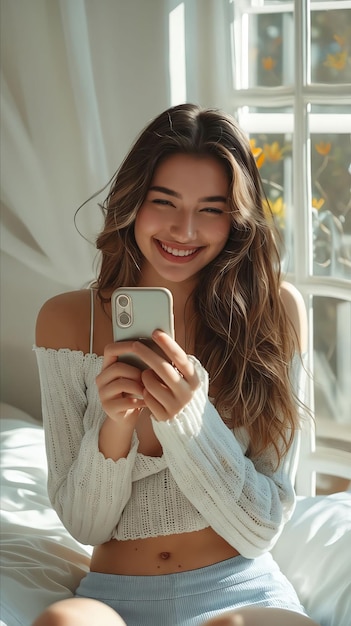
(181, 475)
(184, 222)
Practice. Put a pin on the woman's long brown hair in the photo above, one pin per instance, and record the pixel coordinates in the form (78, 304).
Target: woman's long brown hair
(242, 334)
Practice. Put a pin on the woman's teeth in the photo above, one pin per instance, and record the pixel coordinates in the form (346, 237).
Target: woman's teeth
(177, 252)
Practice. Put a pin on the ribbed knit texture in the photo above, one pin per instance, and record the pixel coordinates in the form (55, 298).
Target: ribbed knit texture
(202, 479)
(192, 597)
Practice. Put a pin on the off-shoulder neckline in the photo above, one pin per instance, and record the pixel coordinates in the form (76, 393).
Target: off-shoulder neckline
(93, 355)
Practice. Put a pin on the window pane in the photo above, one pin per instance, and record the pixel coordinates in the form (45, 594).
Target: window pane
(340, 109)
(332, 358)
(330, 46)
(273, 154)
(270, 57)
(331, 204)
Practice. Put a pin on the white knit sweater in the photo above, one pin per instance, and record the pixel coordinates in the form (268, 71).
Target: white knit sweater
(202, 479)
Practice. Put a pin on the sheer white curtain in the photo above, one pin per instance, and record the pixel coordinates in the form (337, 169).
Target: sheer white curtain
(79, 79)
(76, 81)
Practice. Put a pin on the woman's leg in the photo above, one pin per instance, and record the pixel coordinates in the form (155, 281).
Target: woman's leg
(79, 612)
(87, 612)
(257, 616)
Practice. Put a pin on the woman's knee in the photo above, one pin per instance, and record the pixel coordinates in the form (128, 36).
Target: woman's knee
(80, 612)
(228, 619)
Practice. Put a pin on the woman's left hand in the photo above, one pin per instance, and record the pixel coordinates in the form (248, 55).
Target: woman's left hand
(169, 386)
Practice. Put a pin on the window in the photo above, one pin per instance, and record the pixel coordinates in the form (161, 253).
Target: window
(292, 93)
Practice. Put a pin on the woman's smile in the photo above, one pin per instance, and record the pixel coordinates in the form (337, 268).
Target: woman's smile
(176, 253)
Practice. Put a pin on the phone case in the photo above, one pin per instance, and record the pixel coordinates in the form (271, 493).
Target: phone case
(137, 312)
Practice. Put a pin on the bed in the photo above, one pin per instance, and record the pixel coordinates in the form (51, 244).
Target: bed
(41, 563)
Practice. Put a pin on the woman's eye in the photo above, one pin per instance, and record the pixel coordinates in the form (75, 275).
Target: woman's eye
(162, 201)
(213, 210)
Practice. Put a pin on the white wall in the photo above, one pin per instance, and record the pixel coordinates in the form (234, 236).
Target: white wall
(22, 294)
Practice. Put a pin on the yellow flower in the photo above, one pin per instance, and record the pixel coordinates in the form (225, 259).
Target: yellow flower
(317, 204)
(323, 148)
(268, 63)
(257, 152)
(278, 207)
(336, 61)
(273, 151)
(275, 208)
(260, 160)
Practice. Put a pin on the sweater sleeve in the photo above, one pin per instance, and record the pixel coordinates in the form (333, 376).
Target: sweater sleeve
(87, 491)
(246, 501)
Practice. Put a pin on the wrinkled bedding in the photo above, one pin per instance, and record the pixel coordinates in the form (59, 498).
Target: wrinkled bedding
(41, 563)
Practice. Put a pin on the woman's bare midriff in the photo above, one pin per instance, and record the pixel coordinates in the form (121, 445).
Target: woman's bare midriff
(161, 555)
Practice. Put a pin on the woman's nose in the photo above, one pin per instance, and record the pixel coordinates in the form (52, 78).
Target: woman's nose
(184, 227)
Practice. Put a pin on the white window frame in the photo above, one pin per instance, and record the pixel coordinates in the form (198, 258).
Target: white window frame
(299, 95)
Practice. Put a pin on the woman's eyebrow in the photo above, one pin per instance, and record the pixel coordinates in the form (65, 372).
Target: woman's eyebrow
(170, 192)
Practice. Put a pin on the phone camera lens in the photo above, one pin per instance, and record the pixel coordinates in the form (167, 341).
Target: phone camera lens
(123, 301)
(124, 319)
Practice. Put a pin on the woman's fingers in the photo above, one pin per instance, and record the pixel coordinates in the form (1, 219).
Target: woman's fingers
(165, 402)
(124, 408)
(119, 378)
(121, 395)
(120, 387)
(113, 350)
(168, 386)
(169, 372)
(118, 370)
(119, 384)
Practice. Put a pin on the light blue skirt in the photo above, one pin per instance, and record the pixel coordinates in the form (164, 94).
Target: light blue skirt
(189, 598)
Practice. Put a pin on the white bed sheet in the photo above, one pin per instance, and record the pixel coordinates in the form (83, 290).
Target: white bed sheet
(41, 563)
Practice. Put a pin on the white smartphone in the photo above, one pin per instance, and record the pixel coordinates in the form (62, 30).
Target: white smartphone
(136, 313)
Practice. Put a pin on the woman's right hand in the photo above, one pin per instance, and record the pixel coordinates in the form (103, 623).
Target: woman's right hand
(119, 385)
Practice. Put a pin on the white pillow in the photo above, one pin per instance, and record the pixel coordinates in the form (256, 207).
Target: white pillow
(314, 552)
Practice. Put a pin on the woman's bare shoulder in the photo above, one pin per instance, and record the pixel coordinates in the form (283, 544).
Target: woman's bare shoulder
(296, 311)
(64, 321)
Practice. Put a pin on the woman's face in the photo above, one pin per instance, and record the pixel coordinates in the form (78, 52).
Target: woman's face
(184, 222)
